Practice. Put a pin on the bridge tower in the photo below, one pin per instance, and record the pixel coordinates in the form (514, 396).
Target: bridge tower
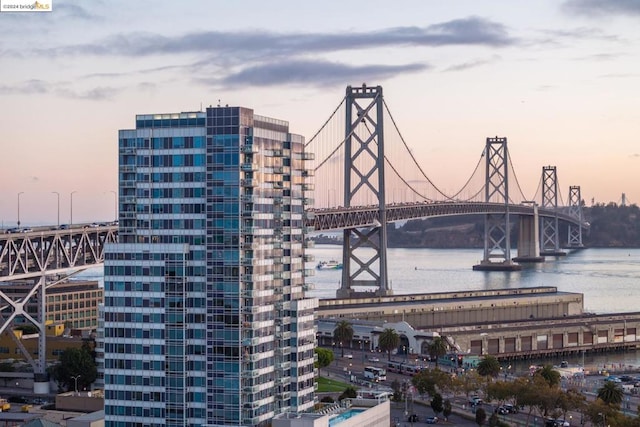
(364, 180)
(574, 235)
(497, 227)
(550, 237)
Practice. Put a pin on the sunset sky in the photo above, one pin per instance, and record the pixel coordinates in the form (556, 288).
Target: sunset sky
(559, 79)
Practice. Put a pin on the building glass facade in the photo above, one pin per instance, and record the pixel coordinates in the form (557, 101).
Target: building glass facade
(205, 318)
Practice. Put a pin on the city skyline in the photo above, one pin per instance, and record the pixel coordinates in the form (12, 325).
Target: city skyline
(555, 78)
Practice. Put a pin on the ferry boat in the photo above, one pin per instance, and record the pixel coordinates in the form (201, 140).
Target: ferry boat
(329, 265)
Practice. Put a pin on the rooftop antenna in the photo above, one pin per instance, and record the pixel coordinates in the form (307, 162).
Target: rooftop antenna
(218, 103)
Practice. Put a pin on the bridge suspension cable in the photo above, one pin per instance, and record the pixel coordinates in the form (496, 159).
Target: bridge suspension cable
(424, 175)
(326, 122)
(515, 177)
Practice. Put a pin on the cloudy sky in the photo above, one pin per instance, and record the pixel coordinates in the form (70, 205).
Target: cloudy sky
(559, 79)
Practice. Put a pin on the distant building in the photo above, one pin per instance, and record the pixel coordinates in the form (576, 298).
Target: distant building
(205, 318)
(73, 303)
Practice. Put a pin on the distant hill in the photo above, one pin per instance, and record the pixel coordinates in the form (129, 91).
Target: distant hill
(612, 226)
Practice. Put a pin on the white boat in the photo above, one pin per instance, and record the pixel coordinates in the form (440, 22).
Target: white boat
(329, 265)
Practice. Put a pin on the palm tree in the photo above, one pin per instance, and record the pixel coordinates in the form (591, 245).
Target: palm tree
(388, 340)
(550, 375)
(489, 367)
(343, 333)
(438, 348)
(611, 393)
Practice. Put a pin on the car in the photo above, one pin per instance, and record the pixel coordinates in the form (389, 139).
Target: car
(26, 230)
(510, 408)
(374, 359)
(413, 418)
(562, 423)
(475, 400)
(63, 227)
(348, 356)
(431, 420)
(502, 410)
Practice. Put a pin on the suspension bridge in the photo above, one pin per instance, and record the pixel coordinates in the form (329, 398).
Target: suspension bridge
(370, 177)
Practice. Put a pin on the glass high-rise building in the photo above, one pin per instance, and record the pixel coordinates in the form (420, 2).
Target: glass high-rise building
(205, 317)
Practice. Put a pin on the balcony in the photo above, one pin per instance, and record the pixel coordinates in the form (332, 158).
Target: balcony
(284, 365)
(249, 167)
(283, 351)
(249, 149)
(307, 156)
(248, 182)
(308, 287)
(248, 342)
(284, 395)
(251, 389)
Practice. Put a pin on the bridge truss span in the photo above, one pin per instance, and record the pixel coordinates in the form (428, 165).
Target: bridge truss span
(29, 255)
(44, 258)
(335, 219)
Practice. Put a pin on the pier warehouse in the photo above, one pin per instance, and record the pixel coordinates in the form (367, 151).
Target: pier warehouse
(506, 323)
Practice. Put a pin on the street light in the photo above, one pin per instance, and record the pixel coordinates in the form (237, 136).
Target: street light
(75, 378)
(58, 194)
(22, 192)
(71, 209)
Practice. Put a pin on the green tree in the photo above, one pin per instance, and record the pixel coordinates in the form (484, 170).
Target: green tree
(325, 357)
(481, 416)
(489, 367)
(343, 333)
(437, 403)
(349, 393)
(468, 383)
(75, 364)
(446, 409)
(388, 341)
(550, 375)
(437, 348)
(611, 394)
(430, 380)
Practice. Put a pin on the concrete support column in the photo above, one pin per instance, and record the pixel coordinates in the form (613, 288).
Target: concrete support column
(529, 238)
